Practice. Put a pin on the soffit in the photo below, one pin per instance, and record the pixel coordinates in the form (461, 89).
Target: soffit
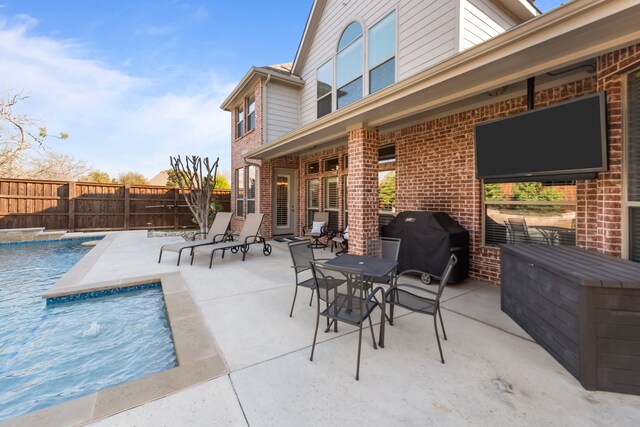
(570, 34)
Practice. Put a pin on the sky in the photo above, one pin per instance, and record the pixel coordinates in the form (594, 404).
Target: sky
(134, 82)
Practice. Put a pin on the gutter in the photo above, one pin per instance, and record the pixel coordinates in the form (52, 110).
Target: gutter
(241, 87)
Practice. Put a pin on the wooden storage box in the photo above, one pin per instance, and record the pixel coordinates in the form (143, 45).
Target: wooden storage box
(581, 306)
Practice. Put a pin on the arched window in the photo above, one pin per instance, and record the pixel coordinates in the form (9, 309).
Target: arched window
(349, 65)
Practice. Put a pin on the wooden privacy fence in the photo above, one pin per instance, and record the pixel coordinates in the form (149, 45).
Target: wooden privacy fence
(85, 206)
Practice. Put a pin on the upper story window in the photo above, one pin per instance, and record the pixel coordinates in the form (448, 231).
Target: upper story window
(382, 53)
(240, 121)
(324, 79)
(349, 65)
(251, 113)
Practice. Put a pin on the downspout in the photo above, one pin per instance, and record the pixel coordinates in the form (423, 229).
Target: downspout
(264, 110)
(531, 92)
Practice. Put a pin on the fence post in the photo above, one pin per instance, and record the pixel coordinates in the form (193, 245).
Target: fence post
(176, 209)
(127, 206)
(71, 217)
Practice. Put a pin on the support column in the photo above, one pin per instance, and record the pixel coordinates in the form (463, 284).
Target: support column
(362, 185)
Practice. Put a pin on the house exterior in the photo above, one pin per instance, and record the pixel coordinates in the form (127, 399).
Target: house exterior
(390, 92)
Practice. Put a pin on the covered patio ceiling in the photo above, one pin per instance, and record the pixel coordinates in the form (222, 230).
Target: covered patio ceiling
(568, 35)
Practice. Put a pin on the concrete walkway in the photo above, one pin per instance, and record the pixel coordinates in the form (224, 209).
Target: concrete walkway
(494, 373)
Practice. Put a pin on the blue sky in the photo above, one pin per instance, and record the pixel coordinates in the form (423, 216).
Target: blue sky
(134, 82)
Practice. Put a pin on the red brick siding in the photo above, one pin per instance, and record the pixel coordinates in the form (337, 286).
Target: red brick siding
(435, 167)
(249, 140)
(363, 188)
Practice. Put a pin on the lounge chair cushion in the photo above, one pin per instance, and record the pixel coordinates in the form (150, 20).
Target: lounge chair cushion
(317, 227)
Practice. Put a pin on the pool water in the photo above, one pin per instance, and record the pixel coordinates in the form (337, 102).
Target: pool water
(50, 354)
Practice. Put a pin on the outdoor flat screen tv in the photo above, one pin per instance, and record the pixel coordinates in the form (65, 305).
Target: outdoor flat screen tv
(568, 138)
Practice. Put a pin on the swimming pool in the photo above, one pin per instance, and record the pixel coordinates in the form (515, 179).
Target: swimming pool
(56, 352)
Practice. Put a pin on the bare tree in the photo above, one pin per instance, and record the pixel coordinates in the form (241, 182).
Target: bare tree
(196, 178)
(18, 133)
(56, 166)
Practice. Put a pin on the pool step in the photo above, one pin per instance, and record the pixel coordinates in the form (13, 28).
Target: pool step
(29, 234)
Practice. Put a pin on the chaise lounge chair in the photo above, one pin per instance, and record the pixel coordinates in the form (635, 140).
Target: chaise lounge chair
(217, 233)
(249, 235)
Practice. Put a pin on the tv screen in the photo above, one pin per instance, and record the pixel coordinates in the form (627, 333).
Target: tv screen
(562, 139)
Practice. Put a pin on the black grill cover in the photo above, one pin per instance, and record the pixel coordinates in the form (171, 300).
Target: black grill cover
(427, 241)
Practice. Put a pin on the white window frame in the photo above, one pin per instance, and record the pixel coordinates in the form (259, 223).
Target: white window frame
(250, 113)
(240, 123)
(395, 53)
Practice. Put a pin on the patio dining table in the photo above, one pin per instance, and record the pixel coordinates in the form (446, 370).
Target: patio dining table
(371, 267)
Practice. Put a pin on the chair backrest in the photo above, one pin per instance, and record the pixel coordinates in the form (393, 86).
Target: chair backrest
(301, 255)
(519, 226)
(220, 224)
(321, 217)
(453, 260)
(325, 274)
(251, 226)
(390, 248)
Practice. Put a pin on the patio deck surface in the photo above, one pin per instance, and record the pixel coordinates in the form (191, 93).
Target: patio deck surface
(494, 373)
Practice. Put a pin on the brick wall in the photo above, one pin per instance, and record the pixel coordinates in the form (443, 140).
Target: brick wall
(249, 140)
(435, 165)
(363, 188)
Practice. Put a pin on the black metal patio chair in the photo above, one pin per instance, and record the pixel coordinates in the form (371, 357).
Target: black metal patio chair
(419, 299)
(348, 303)
(302, 255)
(390, 249)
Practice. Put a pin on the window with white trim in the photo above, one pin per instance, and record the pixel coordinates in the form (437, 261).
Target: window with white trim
(349, 65)
(251, 113)
(240, 192)
(324, 83)
(313, 199)
(251, 189)
(382, 53)
(240, 121)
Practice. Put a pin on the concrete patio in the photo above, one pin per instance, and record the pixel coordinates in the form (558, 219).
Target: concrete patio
(494, 373)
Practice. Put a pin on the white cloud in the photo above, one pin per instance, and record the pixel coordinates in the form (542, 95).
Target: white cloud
(116, 121)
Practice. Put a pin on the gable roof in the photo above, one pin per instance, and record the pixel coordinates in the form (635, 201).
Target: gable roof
(575, 32)
(279, 72)
(521, 10)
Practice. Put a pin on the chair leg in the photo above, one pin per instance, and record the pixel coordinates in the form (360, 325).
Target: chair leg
(311, 299)
(444, 333)
(391, 313)
(435, 326)
(373, 337)
(179, 255)
(211, 259)
(359, 350)
(294, 301)
(315, 335)
(160, 258)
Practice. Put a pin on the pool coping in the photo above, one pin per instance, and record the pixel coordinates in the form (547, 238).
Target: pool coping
(199, 359)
